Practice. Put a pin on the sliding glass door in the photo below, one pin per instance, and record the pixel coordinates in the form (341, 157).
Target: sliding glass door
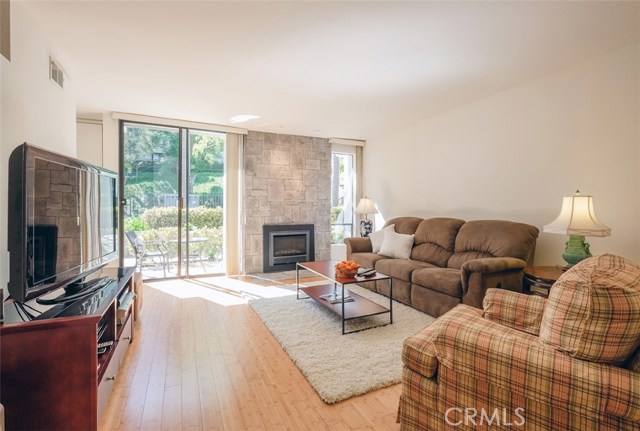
(173, 187)
(204, 214)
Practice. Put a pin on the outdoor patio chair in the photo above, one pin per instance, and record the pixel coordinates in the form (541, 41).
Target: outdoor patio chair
(158, 255)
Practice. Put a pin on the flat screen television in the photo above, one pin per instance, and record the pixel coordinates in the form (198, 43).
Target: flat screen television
(62, 221)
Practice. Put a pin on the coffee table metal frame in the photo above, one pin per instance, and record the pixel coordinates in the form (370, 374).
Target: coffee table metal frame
(358, 308)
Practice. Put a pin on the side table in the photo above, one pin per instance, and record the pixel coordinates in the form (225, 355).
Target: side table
(539, 279)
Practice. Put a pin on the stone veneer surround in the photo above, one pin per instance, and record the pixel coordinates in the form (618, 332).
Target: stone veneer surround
(287, 180)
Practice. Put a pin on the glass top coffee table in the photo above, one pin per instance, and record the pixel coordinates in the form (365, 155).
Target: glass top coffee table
(330, 296)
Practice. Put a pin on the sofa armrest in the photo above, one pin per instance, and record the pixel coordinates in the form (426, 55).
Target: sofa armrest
(489, 265)
(515, 310)
(418, 353)
(479, 275)
(472, 346)
(358, 245)
(624, 394)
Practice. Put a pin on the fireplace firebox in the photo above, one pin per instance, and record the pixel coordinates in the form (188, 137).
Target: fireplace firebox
(284, 245)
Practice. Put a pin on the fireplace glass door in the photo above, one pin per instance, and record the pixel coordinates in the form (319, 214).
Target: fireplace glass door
(289, 245)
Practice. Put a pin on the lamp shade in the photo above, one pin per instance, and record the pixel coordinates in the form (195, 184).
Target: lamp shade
(577, 217)
(366, 206)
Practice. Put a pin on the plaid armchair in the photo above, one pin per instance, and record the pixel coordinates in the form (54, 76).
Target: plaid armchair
(500, 370)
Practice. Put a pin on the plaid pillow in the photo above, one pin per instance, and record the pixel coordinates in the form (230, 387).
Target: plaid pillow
(515, 310)
(593, 311)
(634, 363)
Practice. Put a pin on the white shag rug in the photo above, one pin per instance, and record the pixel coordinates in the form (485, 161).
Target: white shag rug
(340, 366)
(282, 275)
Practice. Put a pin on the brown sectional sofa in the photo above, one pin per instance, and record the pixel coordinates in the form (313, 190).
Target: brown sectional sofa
(452, 261)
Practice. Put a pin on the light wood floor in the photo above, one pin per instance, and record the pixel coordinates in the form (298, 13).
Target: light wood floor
(198, 365)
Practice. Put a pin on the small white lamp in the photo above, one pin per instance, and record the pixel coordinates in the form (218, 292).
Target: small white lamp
(577, 219)
(366, 206)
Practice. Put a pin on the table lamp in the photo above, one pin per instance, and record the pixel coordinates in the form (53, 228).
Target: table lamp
(366, 206)
(577, 219)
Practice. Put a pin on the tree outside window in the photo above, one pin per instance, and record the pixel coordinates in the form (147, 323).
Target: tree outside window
(342, 196)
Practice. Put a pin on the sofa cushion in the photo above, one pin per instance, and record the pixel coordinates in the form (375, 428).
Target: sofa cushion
(593, 311)
(445, 280)
(377, 238)
(400, 268)
(366, 260)
(431, 301)
(401, 289)
(396, 245)
(493, 238)
(405, 225)
(435, 240)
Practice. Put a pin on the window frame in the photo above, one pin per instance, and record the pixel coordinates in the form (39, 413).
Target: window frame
(355, 152)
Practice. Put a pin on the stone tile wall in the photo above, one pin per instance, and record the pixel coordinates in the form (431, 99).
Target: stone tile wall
(287, 180)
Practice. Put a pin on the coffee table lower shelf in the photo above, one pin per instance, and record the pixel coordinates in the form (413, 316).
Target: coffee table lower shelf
(359, 307)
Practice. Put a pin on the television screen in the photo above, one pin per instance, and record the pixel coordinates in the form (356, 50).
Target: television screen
(62, 220)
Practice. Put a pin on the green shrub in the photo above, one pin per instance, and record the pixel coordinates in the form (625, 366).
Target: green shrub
(201, 217)
(206, 188)
(337, 237)
(335, 212)
(160, 217)
(135, 224)
(146, 187)
(159, 235)
(213, 248)
(166, 237)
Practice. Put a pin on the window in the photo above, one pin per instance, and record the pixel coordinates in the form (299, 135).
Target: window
(343, 192)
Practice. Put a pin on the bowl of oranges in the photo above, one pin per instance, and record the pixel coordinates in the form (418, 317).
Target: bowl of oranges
(346, 269)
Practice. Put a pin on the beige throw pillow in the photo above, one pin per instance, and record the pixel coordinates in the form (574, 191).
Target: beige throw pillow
(396, 245)
(377, 238)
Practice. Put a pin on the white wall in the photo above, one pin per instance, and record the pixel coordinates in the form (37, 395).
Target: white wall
(515, 154)
(89, 141)
(110, 142)
(33, 108)
(99, 147)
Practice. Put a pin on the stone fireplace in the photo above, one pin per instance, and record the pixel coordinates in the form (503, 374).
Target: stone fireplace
(287, 181)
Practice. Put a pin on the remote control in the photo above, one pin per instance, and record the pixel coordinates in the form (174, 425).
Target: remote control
(367, 273)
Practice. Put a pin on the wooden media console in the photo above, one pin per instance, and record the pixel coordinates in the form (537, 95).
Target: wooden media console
(53, 375)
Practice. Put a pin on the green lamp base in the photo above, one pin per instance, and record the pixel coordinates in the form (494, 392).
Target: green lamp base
(576, 251)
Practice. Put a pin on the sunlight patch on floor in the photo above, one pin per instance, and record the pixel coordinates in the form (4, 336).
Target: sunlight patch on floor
(220, 290)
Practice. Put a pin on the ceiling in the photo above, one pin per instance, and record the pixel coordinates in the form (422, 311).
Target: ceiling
(330, 69)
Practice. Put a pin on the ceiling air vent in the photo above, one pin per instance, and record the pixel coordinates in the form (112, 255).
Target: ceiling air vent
(56, 73)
